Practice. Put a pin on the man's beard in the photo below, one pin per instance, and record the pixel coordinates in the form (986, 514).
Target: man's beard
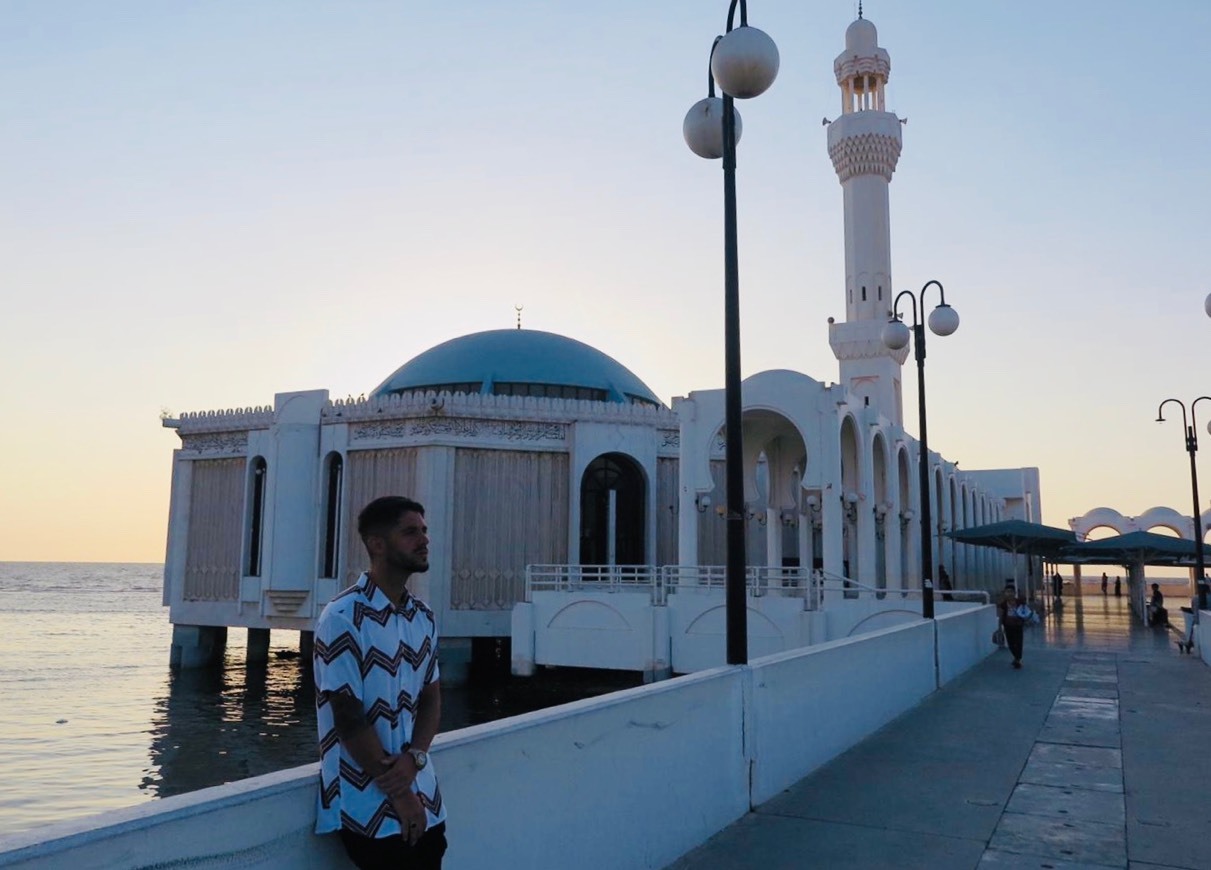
(413, 564)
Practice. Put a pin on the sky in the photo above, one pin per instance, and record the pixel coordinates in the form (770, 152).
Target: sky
(205, 203)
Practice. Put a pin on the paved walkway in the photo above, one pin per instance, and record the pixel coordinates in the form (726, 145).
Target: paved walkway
(1085, 758)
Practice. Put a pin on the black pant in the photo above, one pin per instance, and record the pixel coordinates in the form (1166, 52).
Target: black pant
(394, 853)
(1013, 637)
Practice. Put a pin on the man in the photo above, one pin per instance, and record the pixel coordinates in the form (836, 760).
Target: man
(378, 701)
(1158, 614)
(1105, 581)
(1057, 586)
(944, 583)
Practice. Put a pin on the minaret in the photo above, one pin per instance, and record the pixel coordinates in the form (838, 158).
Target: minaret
(864, 144)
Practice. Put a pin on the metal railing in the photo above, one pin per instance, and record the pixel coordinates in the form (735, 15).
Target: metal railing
(595, 578)
(660, 582)
(854, 589)
(759, 581)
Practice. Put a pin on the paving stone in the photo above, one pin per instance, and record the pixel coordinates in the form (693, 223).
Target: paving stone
(1088, 842)
(1061, 802)
(1091, 690)
(994, 860)
(1100, 709)
(1093, 777)
(1090, 756)
(1081, 732)
(779, 843)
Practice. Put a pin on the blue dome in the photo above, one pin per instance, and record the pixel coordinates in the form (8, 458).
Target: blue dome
(519, 362)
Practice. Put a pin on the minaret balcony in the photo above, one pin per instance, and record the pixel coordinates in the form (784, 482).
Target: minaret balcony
(865, 143)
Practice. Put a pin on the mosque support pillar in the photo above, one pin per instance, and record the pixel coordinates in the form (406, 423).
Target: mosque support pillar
(522, 630)
(1076, 581)
(306, 645)
(197, 646)
(258, 646)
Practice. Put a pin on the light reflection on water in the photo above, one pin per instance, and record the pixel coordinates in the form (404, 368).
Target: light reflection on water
(93, 718)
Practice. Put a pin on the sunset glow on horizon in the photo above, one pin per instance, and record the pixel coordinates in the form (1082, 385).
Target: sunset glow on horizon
(207, 205)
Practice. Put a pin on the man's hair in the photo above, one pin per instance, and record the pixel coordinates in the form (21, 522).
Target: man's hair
(377, 518)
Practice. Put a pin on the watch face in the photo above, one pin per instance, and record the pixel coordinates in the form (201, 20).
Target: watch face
(421, 758)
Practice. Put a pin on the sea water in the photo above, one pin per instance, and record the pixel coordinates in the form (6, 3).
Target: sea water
(92, 717)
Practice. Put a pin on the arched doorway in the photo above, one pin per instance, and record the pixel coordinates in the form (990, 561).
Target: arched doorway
(613, 512)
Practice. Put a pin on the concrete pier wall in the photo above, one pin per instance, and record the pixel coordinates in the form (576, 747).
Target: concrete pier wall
(631, 779)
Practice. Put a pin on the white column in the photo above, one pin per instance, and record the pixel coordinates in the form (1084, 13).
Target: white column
(831, 542)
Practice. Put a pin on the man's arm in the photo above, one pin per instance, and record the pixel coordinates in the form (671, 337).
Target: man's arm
(356, 734)
(401, 772)
(428, 716)
(361, 741)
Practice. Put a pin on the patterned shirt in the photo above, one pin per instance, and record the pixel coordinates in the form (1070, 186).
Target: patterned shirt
(383, 655)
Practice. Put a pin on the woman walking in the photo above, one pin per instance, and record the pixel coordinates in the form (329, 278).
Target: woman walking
(1013, 612)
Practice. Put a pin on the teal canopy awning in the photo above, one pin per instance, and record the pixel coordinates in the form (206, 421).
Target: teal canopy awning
(1133, 548)
(1017, 537)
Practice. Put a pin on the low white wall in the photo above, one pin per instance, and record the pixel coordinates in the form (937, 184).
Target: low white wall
(964, 639)
(631, 779)
(811, 705)
(698, 627)
(849, 617)
(619, 623)
(263, 822)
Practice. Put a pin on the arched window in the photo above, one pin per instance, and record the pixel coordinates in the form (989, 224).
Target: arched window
(613, 501)
(259, 471)
(334, 472)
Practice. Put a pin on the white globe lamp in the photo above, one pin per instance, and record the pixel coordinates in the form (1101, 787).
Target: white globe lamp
(703, 128)
(745, 62)
(943, 320)
(896, 334)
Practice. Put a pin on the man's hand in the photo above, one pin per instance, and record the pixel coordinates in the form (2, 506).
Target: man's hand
(412, 819)
(398, 775)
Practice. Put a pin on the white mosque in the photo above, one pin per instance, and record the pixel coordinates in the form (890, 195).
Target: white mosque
(572, 511)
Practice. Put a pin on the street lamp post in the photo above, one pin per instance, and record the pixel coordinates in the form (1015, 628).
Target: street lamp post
(1200, 577)
(943, 320)
(744, 61)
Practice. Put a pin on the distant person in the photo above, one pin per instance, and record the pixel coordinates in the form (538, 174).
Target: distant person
(378, 701)
(1157, 614)
(944, 583)
(1118, 587)
(1105, 580)
(1057, 586)
(1185, 643)
(1013, 613)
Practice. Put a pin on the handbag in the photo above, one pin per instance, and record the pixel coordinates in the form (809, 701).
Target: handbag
(998, 637)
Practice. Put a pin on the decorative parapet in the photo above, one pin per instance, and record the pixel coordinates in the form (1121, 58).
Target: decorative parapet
(229, 420)
(486, 407)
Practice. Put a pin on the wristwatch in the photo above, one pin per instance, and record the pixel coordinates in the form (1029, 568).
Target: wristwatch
(420, 758)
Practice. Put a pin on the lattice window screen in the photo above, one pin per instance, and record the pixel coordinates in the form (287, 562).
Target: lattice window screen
(510, 510)
(712, 528)
(216, 533)
(666, 511)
